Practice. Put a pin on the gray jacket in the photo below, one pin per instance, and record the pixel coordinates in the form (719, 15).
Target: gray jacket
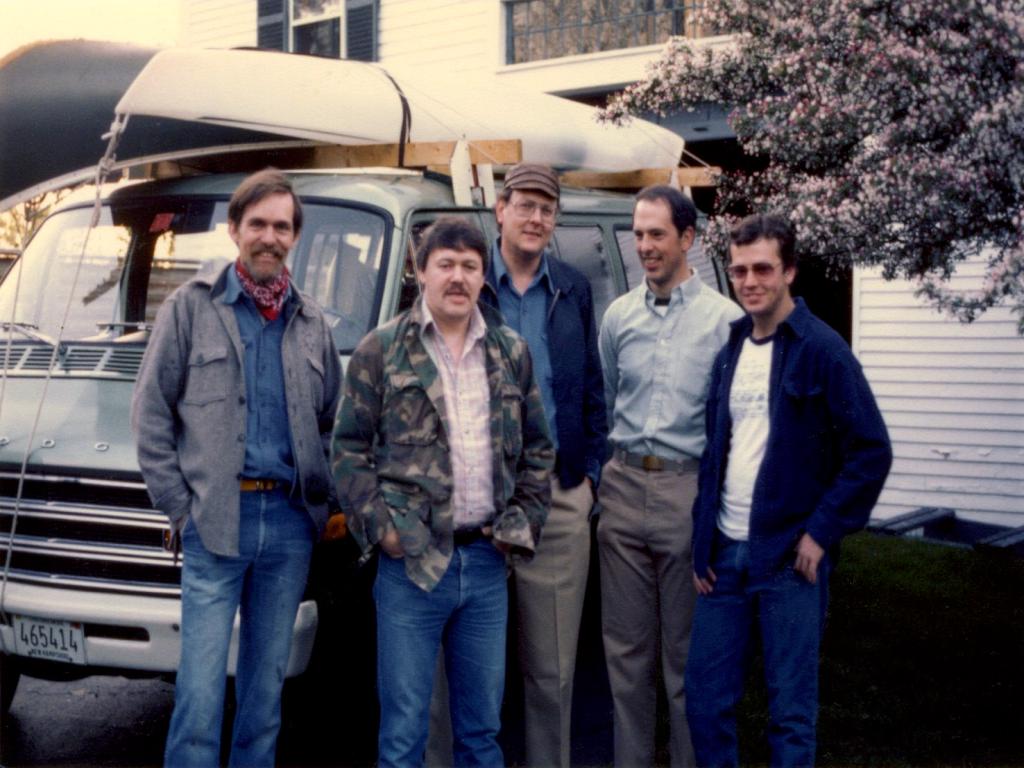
(189, 412)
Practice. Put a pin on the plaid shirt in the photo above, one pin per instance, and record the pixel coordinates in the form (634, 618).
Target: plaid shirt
(466, 398)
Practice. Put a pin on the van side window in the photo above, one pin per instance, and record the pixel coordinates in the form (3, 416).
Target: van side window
(410, 290)
(630, 261)
(583, 248)
(701, 261)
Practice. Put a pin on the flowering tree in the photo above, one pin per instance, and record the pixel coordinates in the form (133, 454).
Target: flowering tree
(891, 132)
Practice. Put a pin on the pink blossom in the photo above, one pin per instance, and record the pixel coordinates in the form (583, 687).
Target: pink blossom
(892, 131)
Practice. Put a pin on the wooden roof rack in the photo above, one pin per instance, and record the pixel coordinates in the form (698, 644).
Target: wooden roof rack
(684, 176)
(470, 163)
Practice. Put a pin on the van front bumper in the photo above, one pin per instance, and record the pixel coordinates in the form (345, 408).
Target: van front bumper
(132, 632)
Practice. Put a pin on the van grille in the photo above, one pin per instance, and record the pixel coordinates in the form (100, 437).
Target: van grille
(85, 533)
(11, 358)
(83, 358)
(74, 359)
(125, 361)
(37, 359)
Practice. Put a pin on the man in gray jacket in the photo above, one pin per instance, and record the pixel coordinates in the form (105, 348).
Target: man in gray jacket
(232, 414)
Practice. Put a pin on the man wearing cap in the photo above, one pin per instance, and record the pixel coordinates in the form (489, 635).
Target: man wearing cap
(657, 345)
(549, 303)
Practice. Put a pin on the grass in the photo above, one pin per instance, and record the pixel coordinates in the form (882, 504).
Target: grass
(922, 662)
(922, 665)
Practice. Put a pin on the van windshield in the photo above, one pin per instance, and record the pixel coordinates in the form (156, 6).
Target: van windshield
(110, 280)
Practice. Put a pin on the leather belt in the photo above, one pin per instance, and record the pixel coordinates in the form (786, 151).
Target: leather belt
(466, 536)
(650, 463)
(249, 484)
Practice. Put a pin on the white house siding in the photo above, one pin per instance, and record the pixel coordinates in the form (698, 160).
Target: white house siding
(218, 23)
(952, 395)
(451, 37)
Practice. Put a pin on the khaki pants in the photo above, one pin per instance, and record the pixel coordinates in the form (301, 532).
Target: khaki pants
(549, 591)
(647, 601)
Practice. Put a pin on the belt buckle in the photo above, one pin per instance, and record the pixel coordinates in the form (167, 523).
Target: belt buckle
(257, 484)
(652, 463)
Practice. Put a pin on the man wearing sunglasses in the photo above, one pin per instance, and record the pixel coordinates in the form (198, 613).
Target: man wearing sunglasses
(796, 457)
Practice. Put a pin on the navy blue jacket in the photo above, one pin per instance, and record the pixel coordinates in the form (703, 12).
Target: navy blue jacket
(827, 455)
(580, 417)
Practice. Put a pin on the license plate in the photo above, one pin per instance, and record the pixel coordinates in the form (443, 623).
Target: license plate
(49, 639)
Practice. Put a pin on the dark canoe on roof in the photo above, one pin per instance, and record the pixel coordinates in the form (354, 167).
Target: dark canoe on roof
(57, 99)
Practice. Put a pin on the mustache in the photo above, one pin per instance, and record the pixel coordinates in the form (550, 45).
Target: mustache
(280, 253)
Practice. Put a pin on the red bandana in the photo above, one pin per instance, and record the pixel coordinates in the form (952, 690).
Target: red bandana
(269, 297)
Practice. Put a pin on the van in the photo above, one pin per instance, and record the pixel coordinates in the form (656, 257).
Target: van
(86, 585)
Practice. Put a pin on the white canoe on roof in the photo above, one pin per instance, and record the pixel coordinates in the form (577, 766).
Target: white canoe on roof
(349, 102)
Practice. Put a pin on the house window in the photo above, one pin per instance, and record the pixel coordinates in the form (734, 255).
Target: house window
(548, 29)
(331, 28)
(316, 27)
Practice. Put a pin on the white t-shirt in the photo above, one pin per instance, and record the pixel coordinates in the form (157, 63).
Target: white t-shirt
(748, 407)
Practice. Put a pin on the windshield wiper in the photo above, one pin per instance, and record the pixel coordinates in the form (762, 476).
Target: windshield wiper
(27, 329)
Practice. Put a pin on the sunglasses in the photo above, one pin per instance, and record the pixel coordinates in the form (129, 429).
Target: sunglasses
(760, 269)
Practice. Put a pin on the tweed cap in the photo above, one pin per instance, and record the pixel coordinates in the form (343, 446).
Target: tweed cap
(533, 177)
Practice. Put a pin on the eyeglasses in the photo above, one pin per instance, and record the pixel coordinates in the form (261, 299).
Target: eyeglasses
(526, 208)
(761, 269)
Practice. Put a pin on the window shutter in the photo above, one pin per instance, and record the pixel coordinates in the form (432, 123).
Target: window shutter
(271, 25)
(361, 30)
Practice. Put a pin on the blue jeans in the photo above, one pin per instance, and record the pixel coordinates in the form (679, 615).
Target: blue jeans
(468, 609)
(265, 582)
(790, 614)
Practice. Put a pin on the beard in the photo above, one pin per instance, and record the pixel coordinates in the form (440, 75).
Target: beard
(264, 278)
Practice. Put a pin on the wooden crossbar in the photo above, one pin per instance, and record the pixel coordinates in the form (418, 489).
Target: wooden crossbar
(434, 155)
(418, 154)
(688, 177)
(426, 154)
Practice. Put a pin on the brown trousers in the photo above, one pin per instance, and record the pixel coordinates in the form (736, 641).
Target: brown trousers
(647, 602)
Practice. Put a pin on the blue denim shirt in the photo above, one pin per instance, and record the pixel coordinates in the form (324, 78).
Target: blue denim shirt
(268, 445)
(190, 408)
(527, 315)
(579, 421)
(827, 454)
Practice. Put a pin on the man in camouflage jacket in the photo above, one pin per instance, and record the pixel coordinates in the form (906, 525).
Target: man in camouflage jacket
(410, 476)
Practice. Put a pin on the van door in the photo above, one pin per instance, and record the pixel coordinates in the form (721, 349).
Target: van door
(583, 246)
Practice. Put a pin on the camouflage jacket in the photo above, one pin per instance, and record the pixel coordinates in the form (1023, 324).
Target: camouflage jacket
(390, 452)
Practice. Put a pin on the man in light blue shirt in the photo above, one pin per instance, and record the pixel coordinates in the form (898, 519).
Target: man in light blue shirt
(657, 344)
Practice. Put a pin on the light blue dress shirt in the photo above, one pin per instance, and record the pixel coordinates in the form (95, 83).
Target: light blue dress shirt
(657, 366)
